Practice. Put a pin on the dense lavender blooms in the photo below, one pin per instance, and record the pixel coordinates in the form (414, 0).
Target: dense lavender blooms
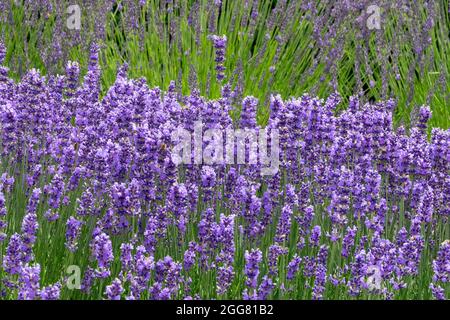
(248, 113)
(225, 258)
(352, 195)
(275, 251)
(441, 266)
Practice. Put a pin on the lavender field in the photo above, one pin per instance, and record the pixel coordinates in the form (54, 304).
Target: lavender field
(188, 179)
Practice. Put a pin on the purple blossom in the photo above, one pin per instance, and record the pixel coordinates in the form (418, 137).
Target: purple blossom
(190, 256)
(315, 236)
(220, 43)
(275, 251)
(29, 278)
(103, 253)
(293, 267)
(14, 256)
(252, 261)
(378, 196)
(29, 232)
(73, 231)
(114, 290)
(348, 241)
(51, 292)
(284, 225)
(3, 223)
(441, 265)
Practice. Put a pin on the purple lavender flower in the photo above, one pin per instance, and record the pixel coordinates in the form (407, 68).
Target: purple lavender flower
(29, 231)
(441, 265)
(103, 254)
(208, 178)
(348, 241)
(114, 290)
(29, 278)
(265, 288)
(3, 223)
(55, 191)
(51, 292)
(315, 236)
(252, 261)
(220, 43)
(293, 267)
(126, 256)
(437, 291)
(143, 266)
(284, 225)
(2, 52)
(248, 113)
(168, 274)
(88, 279)
(73, 231)
(86, 203)
(358, 272)
(150, 235)
(190, 256)
(319, 282)
(225, 275)
(424, 116)
(275, 251)
(225, 258)
(13, 258)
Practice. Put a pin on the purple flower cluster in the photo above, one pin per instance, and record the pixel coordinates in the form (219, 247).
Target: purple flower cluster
(441, 271)
(73, 231)
(355, 200)
(3, 212)
(103, 254)
(220, 44)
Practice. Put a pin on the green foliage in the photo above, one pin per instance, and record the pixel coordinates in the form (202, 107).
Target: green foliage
(275, 53)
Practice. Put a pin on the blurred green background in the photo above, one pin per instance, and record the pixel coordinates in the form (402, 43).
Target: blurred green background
(285, 46)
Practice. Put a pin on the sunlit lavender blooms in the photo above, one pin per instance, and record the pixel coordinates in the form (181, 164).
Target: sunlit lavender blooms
(359, 207)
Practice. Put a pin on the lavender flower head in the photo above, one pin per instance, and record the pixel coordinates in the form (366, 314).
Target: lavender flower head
(103, 253)
(252, 259)
(220, 43)
(73, 231)
(114, 290)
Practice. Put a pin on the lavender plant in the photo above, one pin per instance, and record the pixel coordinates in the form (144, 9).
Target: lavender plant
(373, 49)
(96, 204)
(357, 209)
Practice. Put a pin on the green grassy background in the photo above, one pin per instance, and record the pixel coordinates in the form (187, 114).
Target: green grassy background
(161, 55)
(165, 47)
